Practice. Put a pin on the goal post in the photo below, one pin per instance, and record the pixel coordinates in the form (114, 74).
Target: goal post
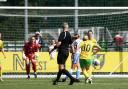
(60, 8)
(3, 0)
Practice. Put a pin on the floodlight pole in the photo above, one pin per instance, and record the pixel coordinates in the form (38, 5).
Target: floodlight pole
(76, 16)
(26, 20)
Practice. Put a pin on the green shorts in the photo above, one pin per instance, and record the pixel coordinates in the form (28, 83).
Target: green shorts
(85, 63)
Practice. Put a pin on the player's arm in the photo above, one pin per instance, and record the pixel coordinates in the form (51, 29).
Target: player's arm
(78, 46)
(57, 43)
(81, 44)
(2, 50)
(37, 51)
(96, 48)
(55, 47)
(23, 52)
(49, 50)
(73, 50)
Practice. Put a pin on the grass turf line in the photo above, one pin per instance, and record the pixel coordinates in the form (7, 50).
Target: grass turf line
(98, 83)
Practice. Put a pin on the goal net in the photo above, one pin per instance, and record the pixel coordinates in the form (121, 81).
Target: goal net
(18, 23)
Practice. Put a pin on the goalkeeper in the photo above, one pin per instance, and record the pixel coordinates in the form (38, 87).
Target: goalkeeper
(29, 55)
(1, 50)
(87, 51)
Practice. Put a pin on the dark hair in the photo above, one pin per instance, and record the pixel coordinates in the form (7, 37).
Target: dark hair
(117, 33)
(76, 34)
(90, 31)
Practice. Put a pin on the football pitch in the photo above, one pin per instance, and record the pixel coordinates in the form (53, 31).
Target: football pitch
(98, 83)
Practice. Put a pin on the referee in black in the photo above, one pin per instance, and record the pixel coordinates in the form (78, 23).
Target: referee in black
(63, 44)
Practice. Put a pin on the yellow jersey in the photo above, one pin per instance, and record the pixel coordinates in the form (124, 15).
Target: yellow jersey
(94, 40)
(87, 49)
(1, 44)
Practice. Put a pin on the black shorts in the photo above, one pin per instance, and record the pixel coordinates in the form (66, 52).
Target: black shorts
(62, 56)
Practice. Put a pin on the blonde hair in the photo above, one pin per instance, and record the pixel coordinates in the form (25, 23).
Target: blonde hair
(65, 25)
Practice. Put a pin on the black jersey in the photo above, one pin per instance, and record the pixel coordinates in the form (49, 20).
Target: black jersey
(65, 39)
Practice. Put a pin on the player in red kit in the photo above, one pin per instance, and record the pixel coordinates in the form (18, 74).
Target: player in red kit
(118, 39)
(29, 52)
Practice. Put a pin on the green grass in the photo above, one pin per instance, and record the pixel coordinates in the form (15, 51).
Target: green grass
(98, 83)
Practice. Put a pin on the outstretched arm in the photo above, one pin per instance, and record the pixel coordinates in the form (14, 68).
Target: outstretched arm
(55, 47)
(96, 48)
(3, 52)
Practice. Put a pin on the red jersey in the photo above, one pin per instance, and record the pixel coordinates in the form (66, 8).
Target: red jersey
(118, 40)
(30, 48)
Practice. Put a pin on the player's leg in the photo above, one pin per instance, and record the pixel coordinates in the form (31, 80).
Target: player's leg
(88, 68)
(78, 71)
(72, 65)
(84, 64)
(55, 82)
(75, 58)
(1, 73)
(71, 71)
(77, 64)
(61, 59)
(34, 67)
(86, 75)
(65, 71)
(72, 68)
(27, 61)
(72, 79)
(88, 78)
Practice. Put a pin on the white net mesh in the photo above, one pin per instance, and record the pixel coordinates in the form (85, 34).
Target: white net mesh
(103, 22)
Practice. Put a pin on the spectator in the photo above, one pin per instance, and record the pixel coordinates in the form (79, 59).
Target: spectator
(39, 39)
(53, 53)
(118, 40)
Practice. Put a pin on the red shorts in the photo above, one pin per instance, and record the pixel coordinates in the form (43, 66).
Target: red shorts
(30, 56)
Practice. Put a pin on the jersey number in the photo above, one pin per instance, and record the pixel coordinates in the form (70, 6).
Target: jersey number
(86, 48)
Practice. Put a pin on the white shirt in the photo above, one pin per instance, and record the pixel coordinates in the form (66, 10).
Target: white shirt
(53, 53)
(76, 44)
(37, 41)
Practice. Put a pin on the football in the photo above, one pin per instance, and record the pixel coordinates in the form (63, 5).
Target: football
(96, 62)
